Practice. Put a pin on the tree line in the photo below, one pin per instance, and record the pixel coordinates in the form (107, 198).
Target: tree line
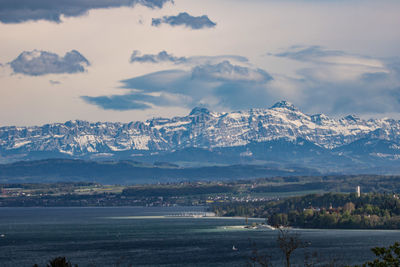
(331, 210)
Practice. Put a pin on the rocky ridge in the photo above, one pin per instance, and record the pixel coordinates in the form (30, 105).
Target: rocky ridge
(202, 128)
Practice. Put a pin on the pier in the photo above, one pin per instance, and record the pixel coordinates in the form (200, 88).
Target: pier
(193, 214)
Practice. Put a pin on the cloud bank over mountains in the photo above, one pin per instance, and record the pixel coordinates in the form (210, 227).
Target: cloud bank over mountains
(333, 80)
(184, 19)
(220, 85)
(12, 11)
(36, 63)
(341, 82)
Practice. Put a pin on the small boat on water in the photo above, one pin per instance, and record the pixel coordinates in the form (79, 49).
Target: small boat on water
(234, 248)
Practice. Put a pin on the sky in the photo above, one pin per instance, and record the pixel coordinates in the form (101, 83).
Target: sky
(129, 60)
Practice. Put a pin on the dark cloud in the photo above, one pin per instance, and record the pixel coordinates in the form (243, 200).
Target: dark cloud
(394, 64)
(216, 59)
(38, 63)
(352, 97)
(337, 82)
(163, 56)
(16, 11)
(116, 102)
(185, 19)
(217, 86)
(374, 76)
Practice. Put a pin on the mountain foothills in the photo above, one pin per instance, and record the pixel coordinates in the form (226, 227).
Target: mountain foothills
(281, 137)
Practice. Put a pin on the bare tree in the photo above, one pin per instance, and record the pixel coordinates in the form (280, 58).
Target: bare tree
(256, 258)
(288, 242)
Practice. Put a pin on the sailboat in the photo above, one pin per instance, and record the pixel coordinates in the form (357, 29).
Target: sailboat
(234, 248)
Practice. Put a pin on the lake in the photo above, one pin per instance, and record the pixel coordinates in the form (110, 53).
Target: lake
(141, 236)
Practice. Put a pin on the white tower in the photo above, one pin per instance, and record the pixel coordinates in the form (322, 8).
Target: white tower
(358, 190)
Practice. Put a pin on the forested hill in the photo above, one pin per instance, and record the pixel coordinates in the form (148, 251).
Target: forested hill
(132, 172)
(369, 211)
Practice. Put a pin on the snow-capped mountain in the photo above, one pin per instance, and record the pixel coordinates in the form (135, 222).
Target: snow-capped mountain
(204, 129)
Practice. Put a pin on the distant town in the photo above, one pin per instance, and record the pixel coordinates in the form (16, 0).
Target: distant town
(188, 193)
(93, 194)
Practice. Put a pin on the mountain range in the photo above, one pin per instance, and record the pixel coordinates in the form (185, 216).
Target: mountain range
(280, 136)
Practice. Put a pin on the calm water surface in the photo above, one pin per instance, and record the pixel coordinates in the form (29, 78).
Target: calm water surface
(137, 236)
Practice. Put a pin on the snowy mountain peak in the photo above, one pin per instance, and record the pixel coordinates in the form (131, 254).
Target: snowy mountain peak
(352, 118)
(284, 104)
(319, 118)
(201, 129)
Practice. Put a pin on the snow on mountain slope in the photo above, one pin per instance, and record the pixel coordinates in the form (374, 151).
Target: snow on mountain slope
(200, 129)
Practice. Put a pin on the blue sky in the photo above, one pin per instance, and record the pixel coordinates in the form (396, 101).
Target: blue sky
(130, 60)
